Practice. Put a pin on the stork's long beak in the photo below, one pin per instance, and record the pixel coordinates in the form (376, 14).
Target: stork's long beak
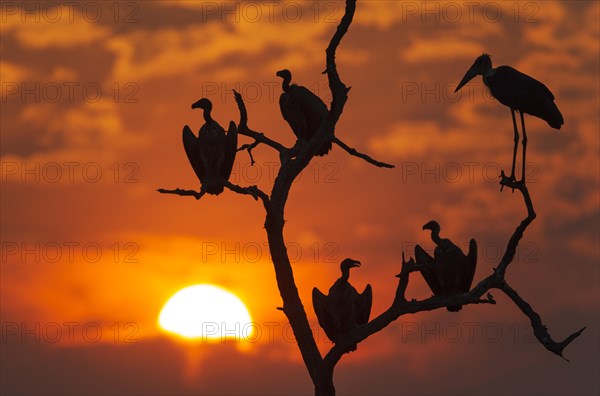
(196, 104)
(356, 264)
(471, 73)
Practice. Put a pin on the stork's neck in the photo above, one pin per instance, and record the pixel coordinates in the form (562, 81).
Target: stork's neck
(488, 73)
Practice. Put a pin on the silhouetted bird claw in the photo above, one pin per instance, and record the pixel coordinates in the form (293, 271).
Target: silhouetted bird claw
(507, 181)
(511, 182)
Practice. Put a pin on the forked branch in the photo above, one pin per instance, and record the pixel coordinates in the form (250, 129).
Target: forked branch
(259, 137)
(284, 152)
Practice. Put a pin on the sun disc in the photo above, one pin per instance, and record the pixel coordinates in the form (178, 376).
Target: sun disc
(207, 312)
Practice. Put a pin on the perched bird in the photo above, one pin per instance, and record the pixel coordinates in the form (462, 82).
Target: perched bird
(302, 109)
(212, 153)
(343, 309)
(520, 93)
(449, 271)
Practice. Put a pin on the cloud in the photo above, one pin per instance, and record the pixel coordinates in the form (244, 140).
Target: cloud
(60, 27)
(415, 138)
(82, 127)
(12, 75)
(13, 72)
(169, 52)
(440, 50)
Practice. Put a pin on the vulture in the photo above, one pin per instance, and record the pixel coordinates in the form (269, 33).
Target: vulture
(303, 110)
(343, 308)
(449, 271)
(212, 153)
(519, 92)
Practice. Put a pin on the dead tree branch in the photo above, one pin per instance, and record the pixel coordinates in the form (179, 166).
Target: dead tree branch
(253, 191)
(355, 153)
(511, 248)
(182, 193)
(539, 329)
(259, 137)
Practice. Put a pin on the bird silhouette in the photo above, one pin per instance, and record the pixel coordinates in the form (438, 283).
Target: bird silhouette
(449, 271)
(343, 309)
(212, 153)
(303, 110)
(520, 93)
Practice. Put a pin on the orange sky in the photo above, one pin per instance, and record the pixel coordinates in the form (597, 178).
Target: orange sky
(93, 101)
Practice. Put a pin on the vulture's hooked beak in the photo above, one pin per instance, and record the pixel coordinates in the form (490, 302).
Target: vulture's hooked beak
(429, 226)
(201, 104)
(355, 264)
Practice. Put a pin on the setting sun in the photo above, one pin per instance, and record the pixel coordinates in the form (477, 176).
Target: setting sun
(207, 312)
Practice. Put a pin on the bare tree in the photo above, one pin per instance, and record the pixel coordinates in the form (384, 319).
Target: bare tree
(293, 161)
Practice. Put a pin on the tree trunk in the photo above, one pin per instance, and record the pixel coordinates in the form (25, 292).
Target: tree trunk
(324, 388)
(292, 305)
(324, 382)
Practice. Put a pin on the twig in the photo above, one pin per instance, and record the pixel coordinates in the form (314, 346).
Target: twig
(253, 191)
(249, 147)
(355, 153)
(407, 267)
(183, 193)
(540, 331)
(258, 137)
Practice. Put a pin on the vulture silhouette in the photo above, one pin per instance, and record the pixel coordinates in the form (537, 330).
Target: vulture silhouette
(519, 92)
(212, 153)
(303, 110)
(449, 271)
(343, 308)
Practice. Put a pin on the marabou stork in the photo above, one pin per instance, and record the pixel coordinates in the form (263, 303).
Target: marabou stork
(520, 93)
(303, 110)
(212, 153)
(449, 271)
(343, 309)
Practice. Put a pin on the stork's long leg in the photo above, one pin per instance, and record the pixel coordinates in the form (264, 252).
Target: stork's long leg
(512, 172)
(524, 147)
